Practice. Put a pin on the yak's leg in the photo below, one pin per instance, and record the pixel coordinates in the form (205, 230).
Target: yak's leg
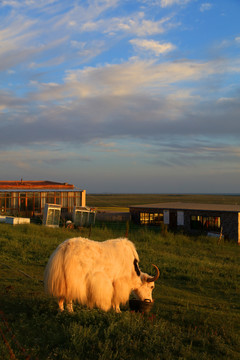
(121, 293)
(69, 306)
(117, 308)
(60, 303)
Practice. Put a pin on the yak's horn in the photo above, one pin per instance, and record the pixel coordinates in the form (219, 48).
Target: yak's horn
(154, 278)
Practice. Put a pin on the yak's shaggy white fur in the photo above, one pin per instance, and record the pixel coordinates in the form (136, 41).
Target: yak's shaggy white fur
(97, 274)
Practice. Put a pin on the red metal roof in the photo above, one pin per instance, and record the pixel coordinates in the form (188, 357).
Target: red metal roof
(22, 184)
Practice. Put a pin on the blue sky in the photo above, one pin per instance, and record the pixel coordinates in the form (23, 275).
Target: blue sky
(121, 96)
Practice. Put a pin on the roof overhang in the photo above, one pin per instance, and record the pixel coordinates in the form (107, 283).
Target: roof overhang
(188, 206)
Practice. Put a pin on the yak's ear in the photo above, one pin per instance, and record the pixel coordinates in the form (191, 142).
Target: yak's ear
(144, 277)
(136, 267)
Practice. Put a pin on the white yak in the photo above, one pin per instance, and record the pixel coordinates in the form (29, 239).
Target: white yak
(96, 274)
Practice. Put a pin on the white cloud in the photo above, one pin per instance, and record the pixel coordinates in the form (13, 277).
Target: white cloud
(137, 77)
(135, 24)
(205, 7)
(152, 46)
(28, 3)
(89, 26)
(166, 3)
(129, 78)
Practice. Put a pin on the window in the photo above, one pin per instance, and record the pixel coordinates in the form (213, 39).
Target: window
(156, 219)
(2, 202)
(50, 197)
(180, 218)
(37, 202)
(151, 218)
(196, 222)
(8, 201)
(78, 198)
(144, 218)
(58, 197)
(5, 202)
(64, 200)
(30, 201)
(211, 223)
(22, 201)
(166, 217)
(70, 201)
(207, 223)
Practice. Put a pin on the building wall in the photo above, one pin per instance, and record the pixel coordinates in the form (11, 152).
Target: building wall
(32, 203)
(230, 221)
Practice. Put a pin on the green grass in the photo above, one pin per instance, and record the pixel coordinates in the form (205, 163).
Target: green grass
(196, 314)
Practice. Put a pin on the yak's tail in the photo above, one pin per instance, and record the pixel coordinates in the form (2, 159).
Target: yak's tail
(54, 274)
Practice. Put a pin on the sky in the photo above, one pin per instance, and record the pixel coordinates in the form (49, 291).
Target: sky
(120, 96)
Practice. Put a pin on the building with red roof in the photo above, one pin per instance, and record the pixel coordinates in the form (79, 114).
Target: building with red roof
(28, 198)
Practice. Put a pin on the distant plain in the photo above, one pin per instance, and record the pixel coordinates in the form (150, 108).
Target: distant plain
(121, 202)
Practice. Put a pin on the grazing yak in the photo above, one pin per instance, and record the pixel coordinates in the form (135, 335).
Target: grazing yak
(96, 274)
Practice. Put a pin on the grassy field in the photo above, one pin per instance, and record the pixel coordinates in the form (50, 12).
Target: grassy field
(196, 314)
(126, 200)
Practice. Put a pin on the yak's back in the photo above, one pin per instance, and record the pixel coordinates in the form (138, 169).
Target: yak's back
(81, 255)
(89, 255)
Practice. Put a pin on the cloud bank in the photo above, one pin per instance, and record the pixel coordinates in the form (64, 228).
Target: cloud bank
(101, 83)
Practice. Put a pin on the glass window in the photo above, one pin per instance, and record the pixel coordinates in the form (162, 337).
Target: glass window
(151, 218)
(207, 223)
(43, 199)
(64, 200)
(2, 202)
(57, 197)
(22, 199)
(50, 197)
(30, 201)
(5, 202)
(157, 218)
(37, 202)
(8, 201)
(144, 218)
(196, 222)
(212, 223)
(78, 198)
(70, 201)
(14, 201)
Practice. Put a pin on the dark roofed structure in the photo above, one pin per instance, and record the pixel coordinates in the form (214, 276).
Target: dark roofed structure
(192, 217)
(190, 206)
